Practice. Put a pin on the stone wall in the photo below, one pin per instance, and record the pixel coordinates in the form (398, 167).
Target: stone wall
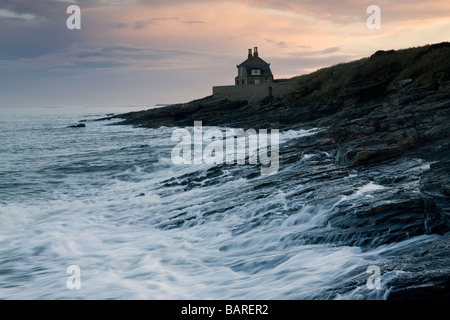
(254, 92)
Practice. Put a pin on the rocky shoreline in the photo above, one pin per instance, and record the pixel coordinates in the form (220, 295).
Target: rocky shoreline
(399, 138)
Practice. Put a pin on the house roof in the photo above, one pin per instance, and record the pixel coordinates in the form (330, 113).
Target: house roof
(256, 63)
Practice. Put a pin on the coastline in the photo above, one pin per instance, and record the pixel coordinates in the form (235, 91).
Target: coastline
(378, 135)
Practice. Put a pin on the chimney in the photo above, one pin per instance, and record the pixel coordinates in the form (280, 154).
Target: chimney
(255, 49)
(249, 53)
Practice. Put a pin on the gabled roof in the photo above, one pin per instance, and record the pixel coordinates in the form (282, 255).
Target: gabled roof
(256, 63)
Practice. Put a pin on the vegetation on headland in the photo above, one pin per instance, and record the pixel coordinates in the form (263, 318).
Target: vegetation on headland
(378, 75)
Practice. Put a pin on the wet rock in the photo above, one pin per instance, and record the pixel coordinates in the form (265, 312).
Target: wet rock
(444, 86)
(80, 125)
(424, 272)
(445, 189)
(402, 83)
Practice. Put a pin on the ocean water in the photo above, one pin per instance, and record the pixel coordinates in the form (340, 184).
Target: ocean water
(108, 199)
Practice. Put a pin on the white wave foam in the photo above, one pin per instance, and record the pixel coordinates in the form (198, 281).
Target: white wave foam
(365, 190)
(295, 134)
(160, 231)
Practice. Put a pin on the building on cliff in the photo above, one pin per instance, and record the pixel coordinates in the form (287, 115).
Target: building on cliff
(254, 82)
(254, 70)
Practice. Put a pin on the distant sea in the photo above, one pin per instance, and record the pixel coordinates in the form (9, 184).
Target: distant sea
(108, 199)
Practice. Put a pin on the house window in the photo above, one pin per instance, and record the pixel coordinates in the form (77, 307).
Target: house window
(256, 72)
(256, 81)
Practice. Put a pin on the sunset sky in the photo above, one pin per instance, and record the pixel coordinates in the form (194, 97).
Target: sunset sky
(145, 52)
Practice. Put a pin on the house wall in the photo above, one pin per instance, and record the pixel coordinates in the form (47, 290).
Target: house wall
(253, 92)
(252, 79)
(244, 77)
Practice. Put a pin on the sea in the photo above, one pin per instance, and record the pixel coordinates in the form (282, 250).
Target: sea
(102, 212)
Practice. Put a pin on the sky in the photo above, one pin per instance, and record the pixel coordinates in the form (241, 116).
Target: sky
(148, 52)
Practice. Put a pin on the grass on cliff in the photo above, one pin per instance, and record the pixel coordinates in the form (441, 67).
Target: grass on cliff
(380, 73)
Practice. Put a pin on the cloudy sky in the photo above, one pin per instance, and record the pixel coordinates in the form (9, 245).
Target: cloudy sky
(145, 52)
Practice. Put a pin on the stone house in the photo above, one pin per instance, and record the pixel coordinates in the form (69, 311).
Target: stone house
(254, 70)
(254, 82)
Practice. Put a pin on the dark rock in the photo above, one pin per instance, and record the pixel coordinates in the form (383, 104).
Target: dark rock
(444, 86)
(424, 273)
(404, 82)
(431, 291)
(446, 189)
(81, 125)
